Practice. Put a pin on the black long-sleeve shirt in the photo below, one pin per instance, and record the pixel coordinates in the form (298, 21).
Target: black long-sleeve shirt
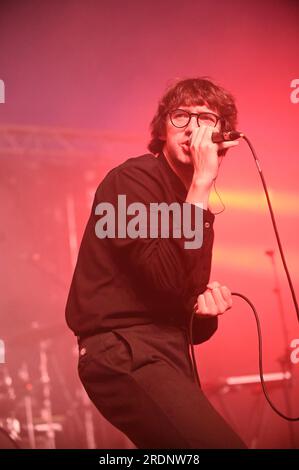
(122, 282)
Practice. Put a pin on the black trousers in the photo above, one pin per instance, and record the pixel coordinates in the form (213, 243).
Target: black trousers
(141, 380)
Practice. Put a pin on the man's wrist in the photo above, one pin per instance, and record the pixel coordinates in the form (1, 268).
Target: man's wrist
(199, 192)
(199, 183)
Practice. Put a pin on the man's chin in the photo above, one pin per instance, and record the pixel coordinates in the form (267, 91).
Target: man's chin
(181, 158)
(185, 158)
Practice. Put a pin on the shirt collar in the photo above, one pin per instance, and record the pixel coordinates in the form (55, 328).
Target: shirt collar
(176, 182)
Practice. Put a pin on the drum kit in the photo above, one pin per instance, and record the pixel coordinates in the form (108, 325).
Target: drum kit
(32, 382)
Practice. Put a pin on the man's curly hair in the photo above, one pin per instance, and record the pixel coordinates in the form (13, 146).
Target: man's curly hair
(193, 92)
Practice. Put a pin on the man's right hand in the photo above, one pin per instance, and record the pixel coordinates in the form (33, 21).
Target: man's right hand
(205, 160)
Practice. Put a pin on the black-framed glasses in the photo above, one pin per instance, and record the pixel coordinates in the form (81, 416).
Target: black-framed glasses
(181, 118)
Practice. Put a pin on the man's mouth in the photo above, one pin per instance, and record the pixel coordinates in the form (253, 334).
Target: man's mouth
(185, 146)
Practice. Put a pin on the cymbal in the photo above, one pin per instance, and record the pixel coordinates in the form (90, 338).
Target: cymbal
(36, 333)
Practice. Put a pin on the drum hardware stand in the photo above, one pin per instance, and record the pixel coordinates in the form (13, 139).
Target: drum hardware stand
(8, 384)
(284, 360)
(12, 424)
(46, 389)
(236, 383)
(24, 376)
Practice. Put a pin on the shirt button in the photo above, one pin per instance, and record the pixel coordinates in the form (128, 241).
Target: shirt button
(82, 351)
(207, 224)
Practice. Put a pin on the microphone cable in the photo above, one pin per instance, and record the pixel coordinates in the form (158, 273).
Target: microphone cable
(274, 225)
(258, 325)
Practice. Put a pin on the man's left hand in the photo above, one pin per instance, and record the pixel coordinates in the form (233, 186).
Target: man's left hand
(214, 301)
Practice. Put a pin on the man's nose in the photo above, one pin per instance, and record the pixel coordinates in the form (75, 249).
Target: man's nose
(192, 125)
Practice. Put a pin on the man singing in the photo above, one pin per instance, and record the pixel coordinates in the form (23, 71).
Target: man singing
(135, 297)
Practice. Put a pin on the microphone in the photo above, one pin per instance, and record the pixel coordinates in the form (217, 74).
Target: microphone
(218, 137)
